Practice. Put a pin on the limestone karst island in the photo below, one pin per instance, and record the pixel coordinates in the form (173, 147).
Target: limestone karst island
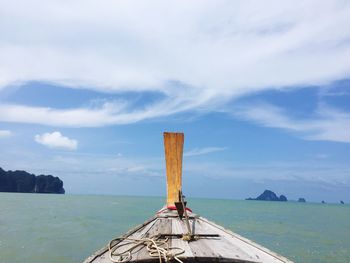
(24, 182)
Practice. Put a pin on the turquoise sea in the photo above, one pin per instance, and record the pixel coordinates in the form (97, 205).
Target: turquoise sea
(38, 228)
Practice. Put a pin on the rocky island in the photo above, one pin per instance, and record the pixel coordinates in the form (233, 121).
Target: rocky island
(24, 182)
(268, 195)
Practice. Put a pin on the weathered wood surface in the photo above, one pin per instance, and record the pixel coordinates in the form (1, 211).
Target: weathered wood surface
(227, 247)
(173, 146)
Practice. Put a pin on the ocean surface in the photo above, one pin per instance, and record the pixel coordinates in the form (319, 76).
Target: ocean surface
(38, 228)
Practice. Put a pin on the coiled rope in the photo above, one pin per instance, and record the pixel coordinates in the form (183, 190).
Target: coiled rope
(155, 248)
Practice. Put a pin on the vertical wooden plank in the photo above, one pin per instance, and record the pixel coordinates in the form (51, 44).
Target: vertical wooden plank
(173, 145)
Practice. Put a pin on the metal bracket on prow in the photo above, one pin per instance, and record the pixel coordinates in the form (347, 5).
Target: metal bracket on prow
(181, 210)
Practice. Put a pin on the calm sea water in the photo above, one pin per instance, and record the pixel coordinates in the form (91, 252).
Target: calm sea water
(67, 228)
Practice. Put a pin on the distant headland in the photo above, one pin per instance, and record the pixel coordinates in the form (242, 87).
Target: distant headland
(301, 200)
(268, 195)
(24, 182)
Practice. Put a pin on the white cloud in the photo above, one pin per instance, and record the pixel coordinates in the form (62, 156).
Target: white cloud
(330, 124)
(202, 151)
(217, 50)
(56, 140)
(106, 114)
(5, 133)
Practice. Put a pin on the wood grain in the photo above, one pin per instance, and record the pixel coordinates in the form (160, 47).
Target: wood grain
(173, 145)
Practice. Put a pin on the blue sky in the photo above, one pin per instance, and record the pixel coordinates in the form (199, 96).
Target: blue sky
(261, 91)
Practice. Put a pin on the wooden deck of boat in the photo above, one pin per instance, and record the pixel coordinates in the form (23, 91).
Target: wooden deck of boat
(226, 247)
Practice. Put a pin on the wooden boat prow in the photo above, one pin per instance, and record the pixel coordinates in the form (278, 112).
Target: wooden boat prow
(188, 239)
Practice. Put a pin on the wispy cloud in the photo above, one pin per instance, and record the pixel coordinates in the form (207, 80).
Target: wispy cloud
(330, 124)
(217, 51)
(56, 140)
(322, 156)
(205, 150)
(101, 115)
(332, 93)
(5, 133)
(275, 171)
